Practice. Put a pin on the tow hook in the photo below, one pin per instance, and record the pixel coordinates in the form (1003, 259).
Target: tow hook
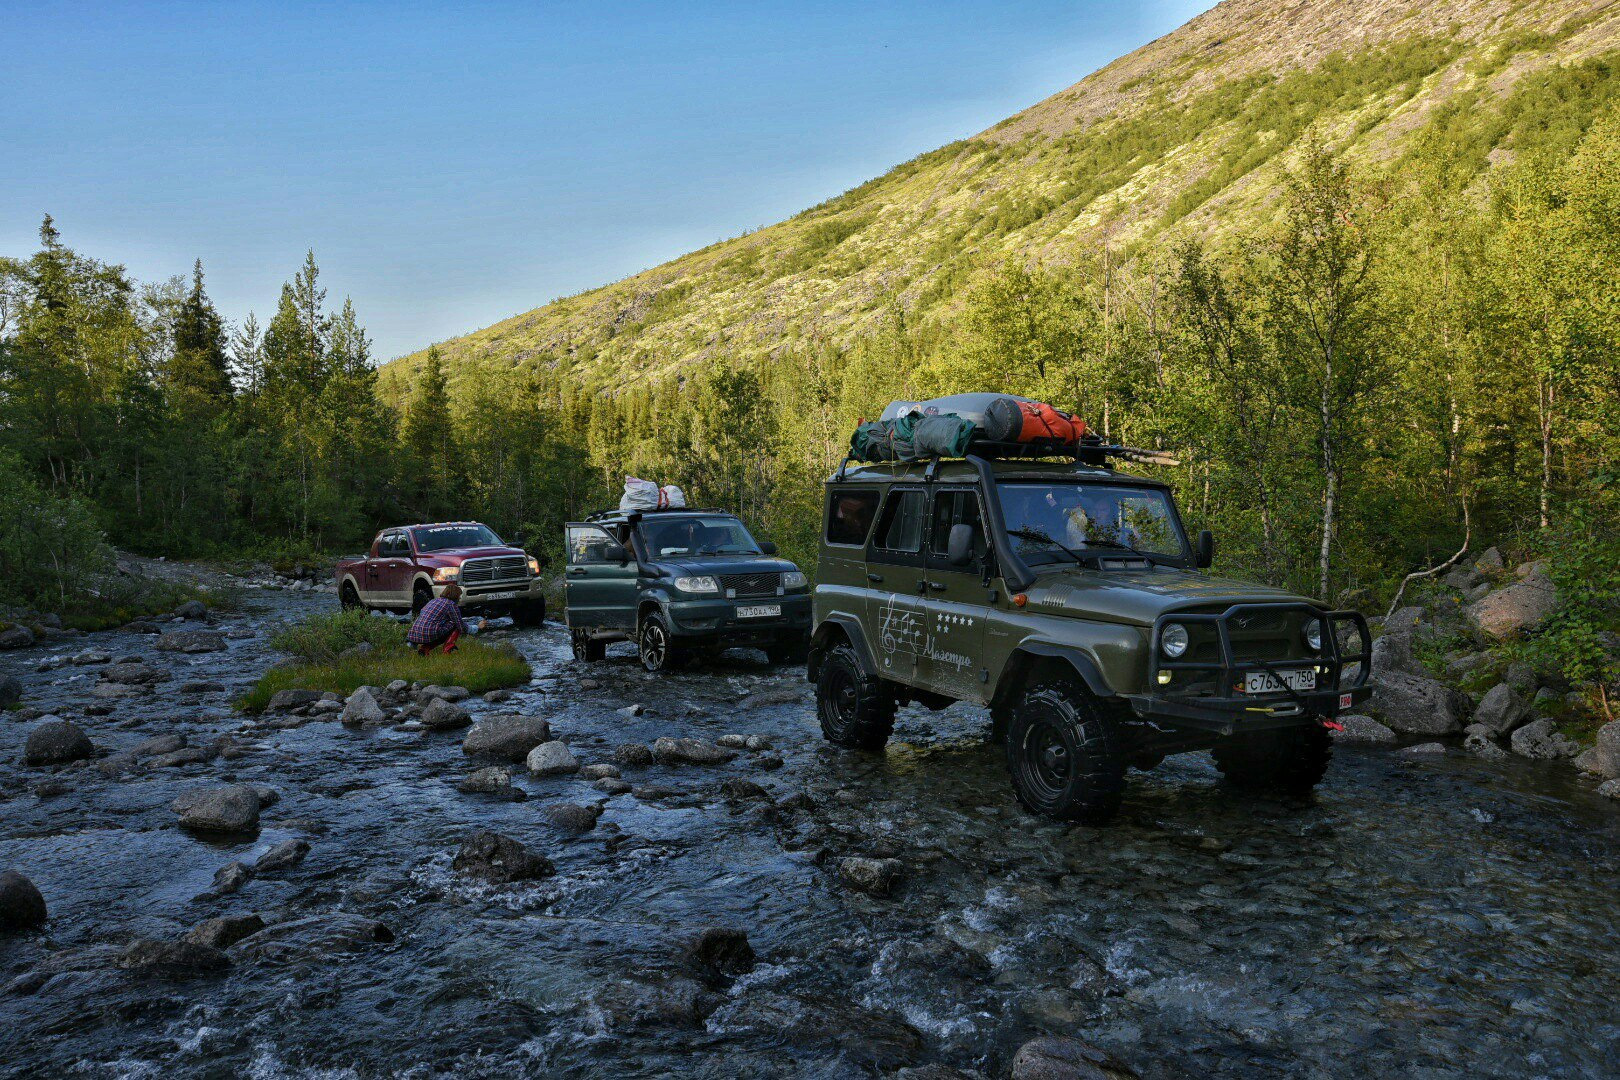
(1331, 725)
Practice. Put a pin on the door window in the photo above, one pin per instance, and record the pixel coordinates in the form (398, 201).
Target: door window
(951, 508)
(849, 515)
(901, 527)
(589, 544)
(393, 546)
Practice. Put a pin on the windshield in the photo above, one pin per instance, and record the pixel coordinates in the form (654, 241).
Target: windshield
(697, 536)
(445, 537)
(1044, 517)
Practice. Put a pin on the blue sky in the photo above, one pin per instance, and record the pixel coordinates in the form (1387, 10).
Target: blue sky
(451, 166)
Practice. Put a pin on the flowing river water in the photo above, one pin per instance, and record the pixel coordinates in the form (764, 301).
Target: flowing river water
(1432, 916)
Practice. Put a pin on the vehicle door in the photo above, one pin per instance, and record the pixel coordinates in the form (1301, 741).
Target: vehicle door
(841, 571)
(599, 585)
(394, 576)
(951, 661)
(371, 576)
(898, 578)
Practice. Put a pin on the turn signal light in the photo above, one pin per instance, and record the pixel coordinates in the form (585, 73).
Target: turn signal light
(1020, 599)
(1165, 677)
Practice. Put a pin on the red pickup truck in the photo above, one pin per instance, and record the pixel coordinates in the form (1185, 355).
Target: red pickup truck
(408, 566)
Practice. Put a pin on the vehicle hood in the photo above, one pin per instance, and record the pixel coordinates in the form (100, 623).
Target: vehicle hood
(1140, 596)
(458, 555)
(725, 564)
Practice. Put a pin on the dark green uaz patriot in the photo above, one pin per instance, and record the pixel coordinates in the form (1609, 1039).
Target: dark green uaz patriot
(1067, 597)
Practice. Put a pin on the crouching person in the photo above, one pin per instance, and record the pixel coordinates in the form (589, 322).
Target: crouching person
(438, 623)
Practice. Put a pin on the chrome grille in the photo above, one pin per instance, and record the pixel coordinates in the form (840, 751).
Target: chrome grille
(500, 570)
(740, 585)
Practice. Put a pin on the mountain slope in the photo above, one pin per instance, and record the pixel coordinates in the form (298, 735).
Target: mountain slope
(1187, 133)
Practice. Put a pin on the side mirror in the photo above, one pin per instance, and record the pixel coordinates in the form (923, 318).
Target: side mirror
(1204, 554)
(767, 548)
(959, 548)
(616, 553)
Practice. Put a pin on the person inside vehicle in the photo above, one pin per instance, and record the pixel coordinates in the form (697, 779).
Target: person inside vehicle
(438, 623)
(853, 514)
(1095, 519)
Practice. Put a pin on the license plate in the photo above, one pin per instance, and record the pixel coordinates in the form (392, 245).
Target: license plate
(759, 611)
(1264, 682)
(498, 596)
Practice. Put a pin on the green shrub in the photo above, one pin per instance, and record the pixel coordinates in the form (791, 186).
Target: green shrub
(478, 666)
(323, 638)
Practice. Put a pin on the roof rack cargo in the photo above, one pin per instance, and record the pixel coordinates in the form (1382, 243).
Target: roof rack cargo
(1089, 450)
(602, 515)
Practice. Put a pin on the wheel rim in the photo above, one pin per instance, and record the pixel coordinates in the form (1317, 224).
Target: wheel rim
(1046, 763)
(580, 645)
(654, 648)
(843, 698)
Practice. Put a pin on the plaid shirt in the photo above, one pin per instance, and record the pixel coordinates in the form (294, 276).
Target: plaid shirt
(437, 619)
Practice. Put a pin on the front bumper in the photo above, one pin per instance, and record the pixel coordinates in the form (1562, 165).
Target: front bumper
(497, 595)
(717, 620)
(1228, 715)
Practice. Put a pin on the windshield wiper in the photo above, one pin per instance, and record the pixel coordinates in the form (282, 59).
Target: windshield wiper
(1036, 534)
(1115, 545)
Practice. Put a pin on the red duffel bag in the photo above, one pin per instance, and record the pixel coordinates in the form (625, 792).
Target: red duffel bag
(1014, 420)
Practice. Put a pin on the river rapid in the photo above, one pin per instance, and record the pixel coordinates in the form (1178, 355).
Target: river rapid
(1422, 916)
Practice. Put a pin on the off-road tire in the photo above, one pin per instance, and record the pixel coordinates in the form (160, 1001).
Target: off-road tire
(656, 645)
(1288, 761)
(420, 595)
(349, 598)
(788, 652)
(1064, 755)
(529, 613)
(587, 650)
(856, 709)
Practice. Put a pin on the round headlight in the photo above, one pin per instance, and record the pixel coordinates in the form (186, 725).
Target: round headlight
(1173, 640)
(1313, 634)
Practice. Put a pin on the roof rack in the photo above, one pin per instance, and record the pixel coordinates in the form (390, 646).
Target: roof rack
(616, 512)
(1090, 450)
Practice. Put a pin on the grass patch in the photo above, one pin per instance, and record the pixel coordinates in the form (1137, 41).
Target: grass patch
(123, 601)
(475, 665)
(322, 639)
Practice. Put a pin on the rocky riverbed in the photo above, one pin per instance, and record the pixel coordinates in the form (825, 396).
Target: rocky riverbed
(688, 880)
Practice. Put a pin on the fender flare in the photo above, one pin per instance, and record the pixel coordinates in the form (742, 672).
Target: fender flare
(851, 627)
(1082, 662)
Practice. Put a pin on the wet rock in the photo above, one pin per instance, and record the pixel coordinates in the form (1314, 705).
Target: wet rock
(669, 751)
(671, 1002)
(632, 710)
(497, 697)
(1609, 789)
(732, 742)
(1541, 739)
(551, 759)
(1358, 728)
(611, 786)
(361, 710)
(571, 818)
(870, 1039)
(723, 949)
(768, 762)
(1502, 710)
(509, 736)
(441, 715)
(89, 658)
(56, 742)
(938, 1072)
(499, 860)
(743, 789)
(878, 877)
(228, 809)
(1607, 750)
(1478, 739)
(21, 905)
(314, 937)
(191, 755)
(633, 756)
(224, 931)
(149, 956)
(16, 637)
(326, 707)
(1424, 749)
(1053, 1057)
(268, 796)
(115, 691)
(50, 789)
(11, 690)
(451, 694)
(287, 700)
(1416, 705)
(159, 744)
(190, 641)
(1510, 611)
(230, 877)
(191, 609)
(201, 686)
(494, 780)
(589, 684)
(598, 772)
(656, 792)
(115, 765)
(287, 854)
(790, 695)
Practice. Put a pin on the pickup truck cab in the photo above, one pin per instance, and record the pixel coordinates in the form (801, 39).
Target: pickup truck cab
(679, 582)
(410, 565)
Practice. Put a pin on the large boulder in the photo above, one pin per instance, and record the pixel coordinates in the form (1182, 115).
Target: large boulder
(361, 710)
(1510, 611)
(1502, 710)
(11, 690)
(16, 637)
(1053, 1057)
(552, 759)
(21, 905)
(441, 715)
(1416, 705)
(288, 700)
(670, 751)
(1357, 728)
(498, 859)
(508, 736)
(1394, 651)
(232, 808)
(1607, 750)
(1542, 739)
(190, 641)
(56, 742)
